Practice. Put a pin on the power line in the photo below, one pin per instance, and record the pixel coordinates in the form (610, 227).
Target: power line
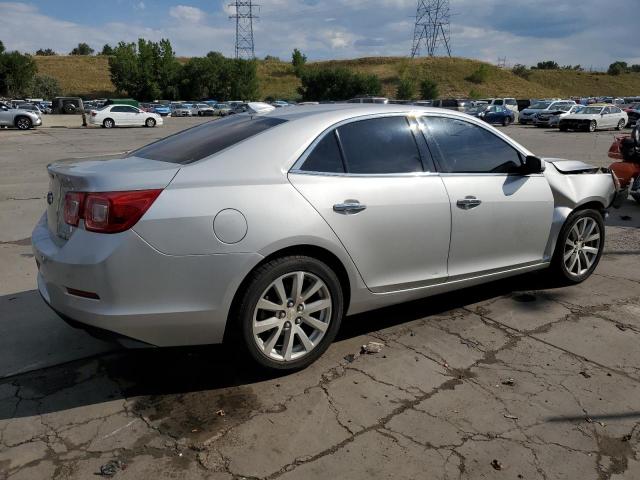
(432, 28)
(244, 28)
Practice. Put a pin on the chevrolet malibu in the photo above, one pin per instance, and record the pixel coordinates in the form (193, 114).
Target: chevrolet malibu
(267, 229)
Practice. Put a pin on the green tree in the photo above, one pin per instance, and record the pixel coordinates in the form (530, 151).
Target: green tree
(635, 68)
(548, 65)
(45, 52)
(617, 68)
(106, 50)
(1, 47)
(82, 49)
(298, 60)
(405, 89)
(16, 73)
(146, 70)
(44, 86)
(429, 89)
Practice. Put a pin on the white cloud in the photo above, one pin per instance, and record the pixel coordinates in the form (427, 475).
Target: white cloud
(187, 13)
(139, 6)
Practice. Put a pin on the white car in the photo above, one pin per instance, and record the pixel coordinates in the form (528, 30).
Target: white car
(123, 115)
(595, 117)
(181, 110)
(202, 110)
(554, 119)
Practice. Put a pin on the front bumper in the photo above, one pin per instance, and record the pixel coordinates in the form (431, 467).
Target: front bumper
(158, 299)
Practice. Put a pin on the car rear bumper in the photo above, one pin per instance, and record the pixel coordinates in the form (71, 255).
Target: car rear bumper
(142, 294)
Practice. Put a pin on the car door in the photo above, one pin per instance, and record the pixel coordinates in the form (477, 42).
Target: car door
(133, 115)
(500, 219)
(6, 116)
(373, 182)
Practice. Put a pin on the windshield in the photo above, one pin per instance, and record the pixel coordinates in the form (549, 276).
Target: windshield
(203, 105)
(476, 109)
(498, 102)
(540, 105)
(222, 105)
(591, 110)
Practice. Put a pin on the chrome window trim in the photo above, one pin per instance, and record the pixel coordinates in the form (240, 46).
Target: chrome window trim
(296, 168)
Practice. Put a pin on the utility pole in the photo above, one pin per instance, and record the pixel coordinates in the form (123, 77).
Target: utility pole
(244, 28)
(432, 28)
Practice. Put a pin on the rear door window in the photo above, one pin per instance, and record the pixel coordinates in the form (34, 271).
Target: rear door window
(325, 157)
(380, 146)
(206, 139)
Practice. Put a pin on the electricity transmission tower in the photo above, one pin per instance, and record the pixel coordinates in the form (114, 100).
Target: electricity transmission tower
(432, 28)
(244, 28)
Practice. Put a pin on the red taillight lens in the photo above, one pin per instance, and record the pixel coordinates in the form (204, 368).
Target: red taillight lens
(107, 212)
(93, 113)
(73, 207)
(113, 212)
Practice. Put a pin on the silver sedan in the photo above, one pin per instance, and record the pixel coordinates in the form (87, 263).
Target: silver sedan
(267, 229)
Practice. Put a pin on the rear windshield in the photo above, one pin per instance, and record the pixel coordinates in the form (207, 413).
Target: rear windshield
(206, 139)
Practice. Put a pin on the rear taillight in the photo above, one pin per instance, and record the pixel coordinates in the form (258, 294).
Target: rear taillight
(93, 113)
(109, 212)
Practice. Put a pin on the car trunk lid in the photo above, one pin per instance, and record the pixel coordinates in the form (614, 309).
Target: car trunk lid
(121, 174)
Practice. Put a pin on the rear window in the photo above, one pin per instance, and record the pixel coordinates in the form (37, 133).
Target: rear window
(204, 140)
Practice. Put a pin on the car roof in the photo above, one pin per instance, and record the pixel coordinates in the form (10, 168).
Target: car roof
(336, 112)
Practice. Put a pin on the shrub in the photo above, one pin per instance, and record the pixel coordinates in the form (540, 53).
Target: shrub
(481, 75)
(336, 84)
(429, 89)
(474, 94)
(405, 90)
(521, 71)
(47, 52)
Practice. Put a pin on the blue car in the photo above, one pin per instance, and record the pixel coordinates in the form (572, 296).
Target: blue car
(162, 110)
(493, 114)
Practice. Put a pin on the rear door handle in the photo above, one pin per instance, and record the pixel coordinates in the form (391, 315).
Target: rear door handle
(349, 207)
(468, 202)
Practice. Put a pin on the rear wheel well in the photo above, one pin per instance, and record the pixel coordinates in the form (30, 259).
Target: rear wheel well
(313, 251)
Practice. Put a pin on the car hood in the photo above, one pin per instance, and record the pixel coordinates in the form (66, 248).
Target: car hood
(572, 166)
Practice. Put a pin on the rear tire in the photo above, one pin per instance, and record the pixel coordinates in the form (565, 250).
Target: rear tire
(150, 122)
(307, 336)
(578, 251)
(593, 125)
(506, 121)
(108, 123)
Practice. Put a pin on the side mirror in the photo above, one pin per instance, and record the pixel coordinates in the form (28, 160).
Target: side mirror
(532, 164)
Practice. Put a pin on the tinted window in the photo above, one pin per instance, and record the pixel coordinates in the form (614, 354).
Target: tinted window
(199, 142)
(325, 157)
(449, 103)
(511, 101)
(119, 109)
(380, 145)
(615, 110)
(468, 148)
(497, 102)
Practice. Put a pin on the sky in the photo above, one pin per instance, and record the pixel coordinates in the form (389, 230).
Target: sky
(592, 33)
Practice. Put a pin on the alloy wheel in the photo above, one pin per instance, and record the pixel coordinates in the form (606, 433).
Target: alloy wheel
(582, 246)
(292, 316)
(23, 124)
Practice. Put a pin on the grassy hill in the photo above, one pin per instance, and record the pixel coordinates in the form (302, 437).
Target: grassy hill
(89, 76)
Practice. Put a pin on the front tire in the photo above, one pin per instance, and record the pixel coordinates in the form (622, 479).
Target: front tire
(593, 125)
(150, 122)
(579, 247)
(621, 125)
(290, 312)
(23, 123)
